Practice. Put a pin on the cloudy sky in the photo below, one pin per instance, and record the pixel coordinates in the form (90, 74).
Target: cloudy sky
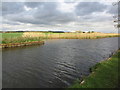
(60, 15)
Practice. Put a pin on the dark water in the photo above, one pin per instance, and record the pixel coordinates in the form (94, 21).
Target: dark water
(58, 63)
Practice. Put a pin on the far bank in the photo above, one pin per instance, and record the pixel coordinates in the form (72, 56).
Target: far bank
(33, 38)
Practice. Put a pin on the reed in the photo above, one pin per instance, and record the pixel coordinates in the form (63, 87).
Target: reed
(20, 39)
(69, 35)
(38, 36)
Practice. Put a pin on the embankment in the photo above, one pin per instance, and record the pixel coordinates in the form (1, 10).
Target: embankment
(104, 75)
(8, 45)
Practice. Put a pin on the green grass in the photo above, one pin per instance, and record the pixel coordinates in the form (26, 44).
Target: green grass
(11, 35)
(35, 36)
(104, 75)
(17, 38)
(20, 40)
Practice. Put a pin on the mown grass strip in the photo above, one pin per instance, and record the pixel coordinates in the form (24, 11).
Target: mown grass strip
(20, 39)
(104, 75)
(17, 38)
(12, 35)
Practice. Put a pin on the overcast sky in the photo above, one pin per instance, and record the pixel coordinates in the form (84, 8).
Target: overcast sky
(60, 15)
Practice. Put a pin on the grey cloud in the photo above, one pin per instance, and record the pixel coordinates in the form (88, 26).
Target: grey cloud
(10, 22)
(22, 17)
(50, 13)
(47, 14)
(70, 1)
(33, 4)
(114, 9)
(12, 7)
(85, 8)
(95, 18)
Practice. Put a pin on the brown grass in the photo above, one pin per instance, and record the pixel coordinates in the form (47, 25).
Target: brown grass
(69, 35)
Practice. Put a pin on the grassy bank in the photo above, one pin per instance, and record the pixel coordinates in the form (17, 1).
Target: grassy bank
(12, 35)
(9, 45)
(104, 75)
(20, 39)
(17, 38)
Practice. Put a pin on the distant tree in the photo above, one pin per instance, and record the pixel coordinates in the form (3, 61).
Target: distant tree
(118, 26)
(79, 32)
(92, 31)
(89, 32)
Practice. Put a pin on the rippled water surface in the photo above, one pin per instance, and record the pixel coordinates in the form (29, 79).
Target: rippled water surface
(57, 63)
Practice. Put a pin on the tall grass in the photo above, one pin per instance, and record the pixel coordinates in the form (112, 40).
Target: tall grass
(16, 38)
(69, 35)
(20, 39)
(0, 38)
(36, 36)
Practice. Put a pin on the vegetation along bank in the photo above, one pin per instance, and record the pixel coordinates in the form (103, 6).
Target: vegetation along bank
(15, 39)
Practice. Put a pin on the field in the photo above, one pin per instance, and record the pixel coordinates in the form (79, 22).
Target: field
(11, 35)
(17, 38)
(104, 75)
(37, 36)
(69, 35)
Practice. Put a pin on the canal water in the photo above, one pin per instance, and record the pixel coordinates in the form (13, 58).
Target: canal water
(56, 64)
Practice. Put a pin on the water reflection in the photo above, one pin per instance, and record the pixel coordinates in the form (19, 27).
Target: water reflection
(56, 64)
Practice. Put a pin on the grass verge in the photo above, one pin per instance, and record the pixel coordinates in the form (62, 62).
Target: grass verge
(104, 75)
(17, 38)
(20, 39)
(11, 35)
